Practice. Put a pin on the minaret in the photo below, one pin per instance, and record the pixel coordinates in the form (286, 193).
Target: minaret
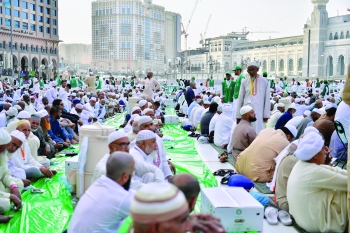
(315, 35)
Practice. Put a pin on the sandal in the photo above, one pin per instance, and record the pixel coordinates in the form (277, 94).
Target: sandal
(223, 153)
(223, 172)
(225, 179)
(223, 158)
(284, 218)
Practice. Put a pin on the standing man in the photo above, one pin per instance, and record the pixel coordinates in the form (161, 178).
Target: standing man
(124, 83)
(98, 83)
(189, 95)
(74, 83)
(151, 85)
(228, 88)
(238, 72)
(212, 84)
(255, 91)
(90, 82)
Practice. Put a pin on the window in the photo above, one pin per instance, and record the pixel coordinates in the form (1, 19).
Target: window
(336, 37)
(8, 22)
(111, 31)
(54, 31)
(48, 2)
(7, 11)
(41, 28)
(48, 20)
(24, 15)
(0, 9)
(111, 11)
(16, 23)
(96, 13)
(32, 7)
(40, 19)
(48, 30)
(54, 21)
(32, 17)
(330, 36)
(347, 35)
(24, 5)
(342, 35)
(48, 11)
(16, 13)
(16, 3)
(54, 12)
(32, 27)
(40, 9)
(25, 25)
(0, 21)
(96, 32)
(126, 29)
(54, 3)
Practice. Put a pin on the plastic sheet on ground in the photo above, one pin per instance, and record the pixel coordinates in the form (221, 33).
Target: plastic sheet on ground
(48, 212)
(116, 120)
(170, 111)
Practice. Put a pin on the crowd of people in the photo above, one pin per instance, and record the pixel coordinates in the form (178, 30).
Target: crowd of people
(285, 137)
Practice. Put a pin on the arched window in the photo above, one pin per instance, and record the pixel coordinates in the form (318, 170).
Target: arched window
(330, 36)
(273, 66)
(290, 65)
(347, 35)
(342, 35)
(336, 37)
(300, 64)
(264, 64)
(281, 65)
(341, 65)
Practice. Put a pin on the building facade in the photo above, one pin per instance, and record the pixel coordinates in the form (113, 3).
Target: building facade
(79, 55)
(129, 36)
(172, 37)
(322, 51)
(35, 35)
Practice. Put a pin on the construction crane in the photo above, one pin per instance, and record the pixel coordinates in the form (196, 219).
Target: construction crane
(185, 30)
(203, 36)
(246, 32)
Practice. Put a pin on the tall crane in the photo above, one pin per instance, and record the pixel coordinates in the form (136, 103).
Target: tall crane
(185, 30)
(246, 32)
(203, 36)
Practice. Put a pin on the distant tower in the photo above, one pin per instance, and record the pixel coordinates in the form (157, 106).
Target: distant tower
(315, 35)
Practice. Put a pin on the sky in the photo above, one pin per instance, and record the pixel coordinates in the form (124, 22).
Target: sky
(284, 16)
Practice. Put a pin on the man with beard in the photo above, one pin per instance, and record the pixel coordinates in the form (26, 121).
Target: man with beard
(29, 107)
(244, 134)
(6, 116)
(56, 132)
(107, 201)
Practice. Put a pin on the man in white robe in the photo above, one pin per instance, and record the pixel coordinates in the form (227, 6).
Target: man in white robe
(258, 97)
(51, 93)
(223, 126)
(151, 85)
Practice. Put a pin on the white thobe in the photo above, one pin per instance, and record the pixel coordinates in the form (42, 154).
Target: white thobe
(222, 129)
(63, 95)
(192, 112)
(92, 109)
(151, 85)
(343, 116)
(36, 85)
(295, 121)
(275, 115)
(3, 120)
(29, 108)
(51, 95)
(197, 116)
(25, 160)
(213, 122)
(102, 208)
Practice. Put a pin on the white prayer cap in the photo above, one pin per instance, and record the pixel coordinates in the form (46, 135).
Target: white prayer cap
(145, 135)
(17, 107)
(309, 145)
(147, 110)
(5, 137)
(9, 99)
(74, 94)
(79, 106)
(219, 108)
(280, 105)
(91, 73)
(217, 99)
(117, 96)
(292, 106)
(292, 129)
(307, 113)
(206, 102)
(253, 63)
(23, 115)
(54, 83)
(80, 93)
(12, 111)
(42, 113)
(227, 108)
(157, 99)
(199, 100)
(245, 109)
(297, 100)
(133, 116)
(142, 103)
(135, 109)
(149, 104)
(19, 135)
(116, 135)
(144, 119)
(319, 111)
(310, 129)
(93, 99)
(158, 202)
(329, 106)
(302, 99)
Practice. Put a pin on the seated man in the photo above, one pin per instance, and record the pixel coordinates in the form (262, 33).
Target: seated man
(206, 118)
(275, 115)
(317, 191)
(308, 121)
(84, 116)
(198, 113)
(119, 142)
(223, 126)
(56, 132)
(326, 124)
(257, 161)
(282, 121)
(244, 134)
(296, 120)
(213, 122)
(134, 131)
(96, 213)
(10, 187)
(22, 157)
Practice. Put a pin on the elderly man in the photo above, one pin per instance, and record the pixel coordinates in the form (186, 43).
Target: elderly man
(96, 213)
(43, 104)
(243, 135)
(23, 158)
(118, 141)
(308, 121)
(10, 187)
(29, 107)
(275, 115)
(316, 191)
(288, 115)
(257, 161)
(92, 107)
(223, 127)
(7, 116)
(325, 125)
(318, 104)
(255, 91)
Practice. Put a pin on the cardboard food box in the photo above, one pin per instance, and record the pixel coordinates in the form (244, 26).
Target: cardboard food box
(71, 163)
(171, 119)
(235, 207)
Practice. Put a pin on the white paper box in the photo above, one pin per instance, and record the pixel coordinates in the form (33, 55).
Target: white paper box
(235, 207)
(171, 119)
(71, 163)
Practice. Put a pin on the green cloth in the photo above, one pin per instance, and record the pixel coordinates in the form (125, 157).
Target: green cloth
(265, 73)
(113, 82)
(272, 85)
(229, 73)
(99, 85)
(80, 83)
(73, 82)
(31, 83)
(59, 81)
(20, 82)
(132, 82)
(318, 84)
(238, 86)
(41, 83)
(126, 225)
(227, 91)
(123, 83)
(237, 68)
(325, 90)
(211, 83)
(284, 84)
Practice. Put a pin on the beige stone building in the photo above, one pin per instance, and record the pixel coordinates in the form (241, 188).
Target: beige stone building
(76, 54)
